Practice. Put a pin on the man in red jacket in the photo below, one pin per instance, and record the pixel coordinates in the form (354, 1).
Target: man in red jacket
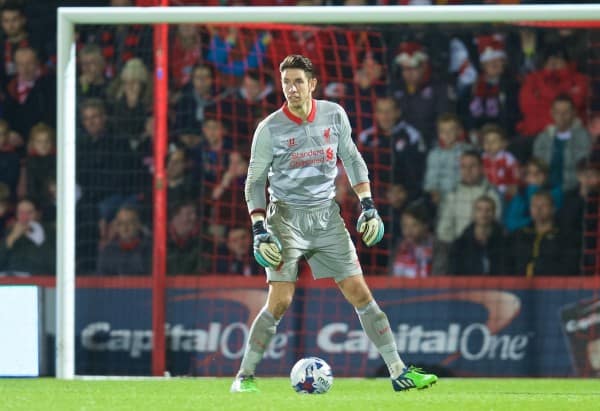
(539, 89)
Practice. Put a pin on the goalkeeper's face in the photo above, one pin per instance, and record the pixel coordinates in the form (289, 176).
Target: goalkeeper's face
(297, 88)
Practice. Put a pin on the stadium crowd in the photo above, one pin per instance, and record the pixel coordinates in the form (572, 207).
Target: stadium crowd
(481, 141)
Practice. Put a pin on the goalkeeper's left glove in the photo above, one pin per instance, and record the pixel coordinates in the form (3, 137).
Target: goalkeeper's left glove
(369, 223)
(267, 248)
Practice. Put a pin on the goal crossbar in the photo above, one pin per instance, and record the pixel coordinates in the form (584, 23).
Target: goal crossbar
(66, 83)
(330, 14)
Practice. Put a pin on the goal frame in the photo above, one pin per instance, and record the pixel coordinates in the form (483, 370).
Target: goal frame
(68, 17)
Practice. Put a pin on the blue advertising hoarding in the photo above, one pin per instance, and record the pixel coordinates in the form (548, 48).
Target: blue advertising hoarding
(460, 331)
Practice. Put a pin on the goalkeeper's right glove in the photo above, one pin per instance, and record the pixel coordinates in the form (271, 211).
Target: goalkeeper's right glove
(267, 248)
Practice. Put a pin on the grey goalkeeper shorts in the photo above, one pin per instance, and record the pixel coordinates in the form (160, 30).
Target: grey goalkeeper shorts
(317, 233)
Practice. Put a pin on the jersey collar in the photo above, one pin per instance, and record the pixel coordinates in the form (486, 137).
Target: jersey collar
(298, 120)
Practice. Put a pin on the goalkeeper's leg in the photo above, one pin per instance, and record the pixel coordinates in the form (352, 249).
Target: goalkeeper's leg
(377, 327)
(262, 331)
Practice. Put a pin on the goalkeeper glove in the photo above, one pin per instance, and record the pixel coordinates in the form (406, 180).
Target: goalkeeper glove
(369, 223)
(267, 248)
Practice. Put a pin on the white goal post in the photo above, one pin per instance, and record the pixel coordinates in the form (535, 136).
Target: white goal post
(66, 83)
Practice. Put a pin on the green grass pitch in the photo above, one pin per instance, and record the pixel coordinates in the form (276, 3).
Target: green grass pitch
(179, 394)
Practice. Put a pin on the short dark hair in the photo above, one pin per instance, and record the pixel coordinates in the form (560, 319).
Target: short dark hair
(297, 61)
(490, 128)
(13, 6)
(485, 199)
(94, 103)
(449, 117)
(544, 194)
(419, 212)
(130, 208)
(204, 66)
(564, 98)
(472, 153)
(540, 164)
(174, 209)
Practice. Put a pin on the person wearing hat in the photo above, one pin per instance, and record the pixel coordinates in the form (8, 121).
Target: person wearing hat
(421, 99)
(493, 98)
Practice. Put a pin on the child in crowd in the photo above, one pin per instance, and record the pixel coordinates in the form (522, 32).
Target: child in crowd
(413, 256)
(500, 166)
(40, 162)
(442, 169)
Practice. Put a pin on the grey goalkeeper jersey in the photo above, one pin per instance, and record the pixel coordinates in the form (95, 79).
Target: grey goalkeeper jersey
(299, 157)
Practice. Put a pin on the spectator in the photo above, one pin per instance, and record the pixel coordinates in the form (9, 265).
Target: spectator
(29, 246)
(130, 96)
(235, 256)
(180, 182)
(517, 214)
(500, 166)
(14, 37)
(413, 256)
(103, 156)
(542, 249)
(396, 201)
(48, 201)
(10, 167)
(456, 209)
(119, 43)
(227, 42)
(105, 168)
(191, 142)
(393, 149)
(187, 51)
(540, 89)
(196, 96)
(130, 251)
(481, 248)
(528, 58)
(578, 202)
(40, 162)
(184, 245)
(217, 147)
(461, 67)
(421, 99)
(494, 96)
(92, 82)
(30, 94)
(369, 84)
(442, 167)
(252, 102)
(6, 207)
(228, 195)
(563, 143)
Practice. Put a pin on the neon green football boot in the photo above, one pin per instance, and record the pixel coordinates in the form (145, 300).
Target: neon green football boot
(413, 377)
(244, 383)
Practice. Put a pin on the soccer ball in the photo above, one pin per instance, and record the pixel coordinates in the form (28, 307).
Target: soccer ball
(311, 375)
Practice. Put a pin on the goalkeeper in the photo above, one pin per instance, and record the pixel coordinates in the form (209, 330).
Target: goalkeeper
(297, 148)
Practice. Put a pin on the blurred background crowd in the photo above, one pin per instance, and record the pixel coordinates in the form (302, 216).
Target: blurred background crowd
(481, 140)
